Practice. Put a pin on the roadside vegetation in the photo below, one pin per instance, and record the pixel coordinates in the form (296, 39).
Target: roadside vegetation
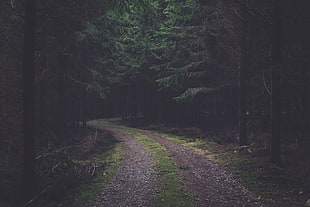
(75, 174)
(111, 160)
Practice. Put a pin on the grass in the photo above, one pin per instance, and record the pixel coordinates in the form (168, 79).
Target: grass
(171, 191)
(111, 160)
(268, 181)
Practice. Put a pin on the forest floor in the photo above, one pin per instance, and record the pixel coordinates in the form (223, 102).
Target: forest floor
(114, 165)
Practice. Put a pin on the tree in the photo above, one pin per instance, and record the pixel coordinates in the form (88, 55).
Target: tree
(28, 99)
(243, 77)
(276, 101)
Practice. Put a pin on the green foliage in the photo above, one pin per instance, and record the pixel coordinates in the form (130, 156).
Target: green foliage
(137, 37)
(179, 45)
(190, 93)
(163, 36)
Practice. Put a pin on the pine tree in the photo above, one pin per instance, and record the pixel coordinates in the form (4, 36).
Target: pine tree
(276, 83)
(28, 98)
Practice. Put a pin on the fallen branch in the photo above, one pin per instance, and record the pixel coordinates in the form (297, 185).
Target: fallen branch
(44, 155)
(53, 169)
(36, 197)
(265, 85)
(93, 170)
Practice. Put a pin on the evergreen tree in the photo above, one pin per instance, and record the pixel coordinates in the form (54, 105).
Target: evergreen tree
(28, 99)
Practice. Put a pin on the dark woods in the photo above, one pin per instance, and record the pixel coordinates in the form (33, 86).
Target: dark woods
(239, 68)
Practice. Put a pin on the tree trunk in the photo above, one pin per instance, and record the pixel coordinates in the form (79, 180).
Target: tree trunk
(276, 101)
(7, 111)
(243, 76)
(42, 106)
(61, 103)
(28, 100)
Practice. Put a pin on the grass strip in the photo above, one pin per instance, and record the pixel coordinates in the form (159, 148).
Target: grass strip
(111, 161)
(171, 191)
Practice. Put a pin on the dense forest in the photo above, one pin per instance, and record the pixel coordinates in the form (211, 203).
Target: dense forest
(237, 70)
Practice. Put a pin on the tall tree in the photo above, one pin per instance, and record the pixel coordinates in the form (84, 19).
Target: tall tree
(243, 77)
(276, 82)
(28, 99)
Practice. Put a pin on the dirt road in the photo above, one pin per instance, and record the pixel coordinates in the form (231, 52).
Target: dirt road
(135, 183)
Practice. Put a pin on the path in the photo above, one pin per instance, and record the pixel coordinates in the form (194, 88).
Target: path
(212, 185)
(133, 184)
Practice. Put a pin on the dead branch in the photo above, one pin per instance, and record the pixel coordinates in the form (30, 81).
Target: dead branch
(265, 84)
(259, 17)
(94, 169)
(36, 197)
(44, 155)
(235, 14)
(53, 169)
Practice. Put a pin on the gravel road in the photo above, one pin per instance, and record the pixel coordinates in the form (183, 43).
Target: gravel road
(134, 182)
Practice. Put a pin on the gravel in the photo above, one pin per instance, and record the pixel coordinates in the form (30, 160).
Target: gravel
(134, 183)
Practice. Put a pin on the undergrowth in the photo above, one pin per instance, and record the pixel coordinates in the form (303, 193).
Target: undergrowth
(111, 160)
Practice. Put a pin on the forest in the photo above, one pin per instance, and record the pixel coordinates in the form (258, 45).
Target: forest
(231, 73)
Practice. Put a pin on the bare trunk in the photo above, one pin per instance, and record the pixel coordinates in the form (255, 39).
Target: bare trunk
(28, 100)
(243, 76)
(61, 103)
(276, 83)
(42, 106)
